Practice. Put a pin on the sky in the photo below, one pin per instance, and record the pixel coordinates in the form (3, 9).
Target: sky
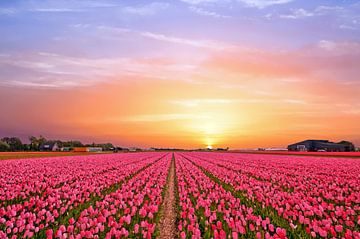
(181, 73)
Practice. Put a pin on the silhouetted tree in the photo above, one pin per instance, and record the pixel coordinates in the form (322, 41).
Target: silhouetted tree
(4, 146)
(36, 142)
(14, 143)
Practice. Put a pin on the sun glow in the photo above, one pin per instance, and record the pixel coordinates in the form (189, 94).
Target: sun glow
(210, 127)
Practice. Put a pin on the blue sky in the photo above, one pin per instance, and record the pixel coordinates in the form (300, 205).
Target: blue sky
(43, 25)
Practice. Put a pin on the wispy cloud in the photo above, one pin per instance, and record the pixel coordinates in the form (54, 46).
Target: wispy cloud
(183, 41)
(347, 27)
(327, 45)
(40, 85)
(200, 102)
(264, 3)
(217, 102)
(7, 11)
(195, 2)
(54, 10)
(170, 39)
(249, 3)
(84, 6)
(324, 9)
(298, 13)
(160, 117)
(321, 10)
(52, 70)
(146, 10)
(334, 48)
(295, 101)
(203, 12)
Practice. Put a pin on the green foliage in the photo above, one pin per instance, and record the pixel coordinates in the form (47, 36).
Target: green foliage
(105, 147)
(36, 142)
(14, 143)
(4, 146)
(71, 143)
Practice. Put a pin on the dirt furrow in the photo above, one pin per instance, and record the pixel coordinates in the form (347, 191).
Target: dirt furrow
(167, 224)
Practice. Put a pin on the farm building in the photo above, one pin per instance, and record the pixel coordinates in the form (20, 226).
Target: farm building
(134, 149)
(87, 149)
(321, 145)
(49, 146)
(66, 149)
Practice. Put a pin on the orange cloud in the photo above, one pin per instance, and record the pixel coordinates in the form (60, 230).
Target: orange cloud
(244, 98)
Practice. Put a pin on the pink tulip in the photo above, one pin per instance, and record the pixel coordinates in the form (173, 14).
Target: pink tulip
(49, 234)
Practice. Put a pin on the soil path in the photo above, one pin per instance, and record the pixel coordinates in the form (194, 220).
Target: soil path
(168, 217)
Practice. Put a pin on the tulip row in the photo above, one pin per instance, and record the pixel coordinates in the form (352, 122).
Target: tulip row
(130, 211)
(339, 184)
(56, 204)
(210, 211)
(21, 179)
(315, 198)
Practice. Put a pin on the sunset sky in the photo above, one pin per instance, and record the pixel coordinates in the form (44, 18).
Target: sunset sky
(181, 73)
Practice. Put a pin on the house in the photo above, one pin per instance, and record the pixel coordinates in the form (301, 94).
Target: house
(87, 149)
(321, 145)
(134, 149)
(49, 146)
(66, 149)
(94, 149)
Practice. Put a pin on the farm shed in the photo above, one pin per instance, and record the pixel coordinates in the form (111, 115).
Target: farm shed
(49, 146)
(320, 145)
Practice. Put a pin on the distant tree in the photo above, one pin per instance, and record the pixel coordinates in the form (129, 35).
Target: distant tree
(26, 147)
(107, 147)
(4, 146)
(36, 142)
(14, 143)
(59, 143)
(42, 140)
(71, 144)
(33, 142)
(76, 143)
(66, 144)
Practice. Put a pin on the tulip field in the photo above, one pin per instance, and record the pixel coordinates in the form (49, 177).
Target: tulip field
(216, 195)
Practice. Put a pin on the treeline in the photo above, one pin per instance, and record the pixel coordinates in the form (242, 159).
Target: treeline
(14, 144)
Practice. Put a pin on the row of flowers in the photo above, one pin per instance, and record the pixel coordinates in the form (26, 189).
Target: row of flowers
(130, 211)
(321, 195)
(207, 210)
(54, 204)
(20, 179)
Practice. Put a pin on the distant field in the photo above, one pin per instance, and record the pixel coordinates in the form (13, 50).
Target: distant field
(20, 155)
(191, 194)
(322, 154)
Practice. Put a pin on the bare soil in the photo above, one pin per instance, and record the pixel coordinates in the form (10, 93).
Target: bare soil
(168, 218)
